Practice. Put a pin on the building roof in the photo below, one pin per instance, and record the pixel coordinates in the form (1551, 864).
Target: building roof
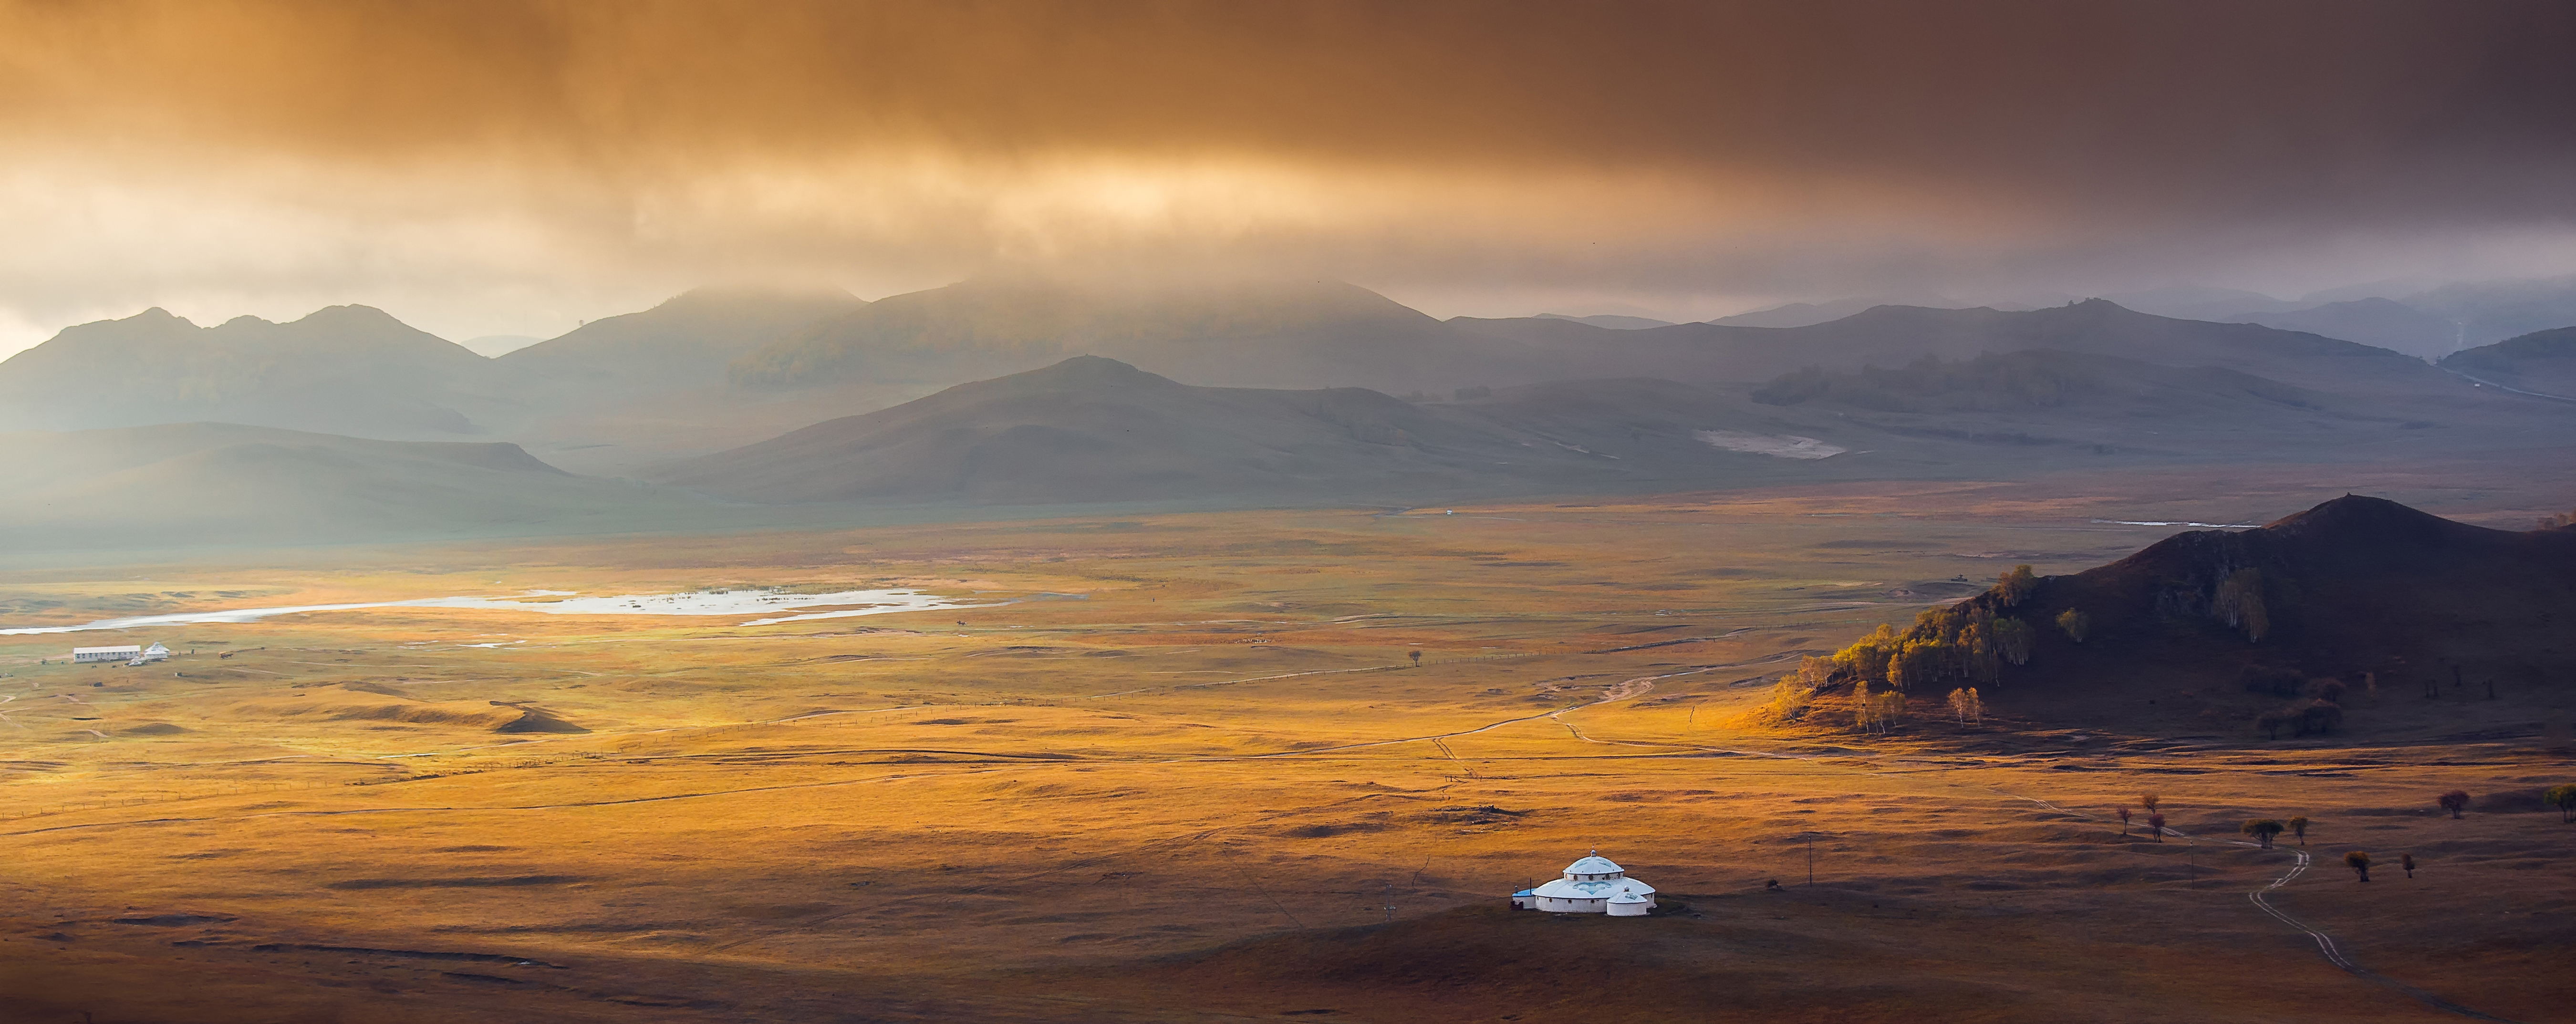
(127, 649)
(1564, 889)
(1629, 895)
(1595, 864)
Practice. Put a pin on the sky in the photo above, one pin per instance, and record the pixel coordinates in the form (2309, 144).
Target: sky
(515, 168)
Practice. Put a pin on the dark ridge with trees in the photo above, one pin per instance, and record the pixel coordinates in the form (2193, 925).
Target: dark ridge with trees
(2357, 606)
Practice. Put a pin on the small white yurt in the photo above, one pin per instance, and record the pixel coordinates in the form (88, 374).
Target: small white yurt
(1589, 886)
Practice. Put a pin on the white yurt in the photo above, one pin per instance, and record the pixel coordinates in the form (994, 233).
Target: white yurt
(1593, 885)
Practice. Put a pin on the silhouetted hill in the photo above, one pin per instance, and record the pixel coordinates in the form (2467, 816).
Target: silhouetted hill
(344, 369)
(682, 343)
(2363, 602)
(200, 484)
(2543, 361)
(2378, 322)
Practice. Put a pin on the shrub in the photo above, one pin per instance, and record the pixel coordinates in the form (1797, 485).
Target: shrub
(2320, 716)
(2075, 624)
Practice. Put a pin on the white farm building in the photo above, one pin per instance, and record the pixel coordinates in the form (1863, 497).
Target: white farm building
(1593, 885)
(129, 654)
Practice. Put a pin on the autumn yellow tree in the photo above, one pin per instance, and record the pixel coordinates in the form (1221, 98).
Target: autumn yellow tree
(1967, 706)
(2075, 624)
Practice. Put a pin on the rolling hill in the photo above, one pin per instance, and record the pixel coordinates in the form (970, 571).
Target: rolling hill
(2384, 323)
(1091, 429)
(2543, 361)
(2399, 619)
(210, 484)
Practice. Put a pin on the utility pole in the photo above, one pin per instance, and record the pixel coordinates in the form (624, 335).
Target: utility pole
(1390, 903)
(1811, 859)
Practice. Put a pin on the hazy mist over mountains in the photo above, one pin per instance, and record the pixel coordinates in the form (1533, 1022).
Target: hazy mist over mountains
(1032, 393)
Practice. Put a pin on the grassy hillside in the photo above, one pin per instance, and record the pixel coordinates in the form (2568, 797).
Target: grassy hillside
(206, 484)
(2543, 361)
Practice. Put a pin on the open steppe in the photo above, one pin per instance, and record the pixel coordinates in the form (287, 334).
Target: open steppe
(1183, 767)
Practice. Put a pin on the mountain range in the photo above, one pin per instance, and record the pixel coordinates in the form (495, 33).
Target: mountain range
(1015, 392)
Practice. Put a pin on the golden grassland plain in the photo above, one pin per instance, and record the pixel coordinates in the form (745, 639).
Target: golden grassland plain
(1186, 768)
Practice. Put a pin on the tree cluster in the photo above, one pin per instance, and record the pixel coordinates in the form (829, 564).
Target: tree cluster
(1876, 712)
(2239, 603)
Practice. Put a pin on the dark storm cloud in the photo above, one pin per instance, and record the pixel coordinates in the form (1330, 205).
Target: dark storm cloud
(1759, 147)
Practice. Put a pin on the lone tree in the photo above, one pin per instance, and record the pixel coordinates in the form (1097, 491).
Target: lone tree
(1417, 658)
(1967, 706)
(2075, 624)
(2454, 801)
(2156, 824)
(2262, 829)
(2148, 801)
(2406, 862)
(2299, 828)
(2565, 798)
(2359, 862)
(2272, 721)
(2124, 819)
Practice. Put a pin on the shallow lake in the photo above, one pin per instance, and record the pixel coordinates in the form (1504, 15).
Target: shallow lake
(555, 602)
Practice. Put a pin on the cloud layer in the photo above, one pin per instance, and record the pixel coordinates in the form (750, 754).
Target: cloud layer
(488, 168)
